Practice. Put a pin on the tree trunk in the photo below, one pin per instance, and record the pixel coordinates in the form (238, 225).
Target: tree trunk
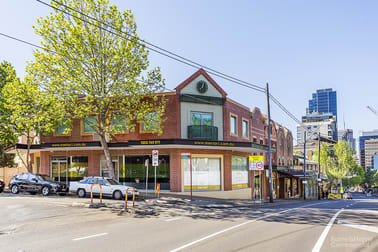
(108, 157)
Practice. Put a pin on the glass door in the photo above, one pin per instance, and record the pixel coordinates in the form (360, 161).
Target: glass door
(59, 169)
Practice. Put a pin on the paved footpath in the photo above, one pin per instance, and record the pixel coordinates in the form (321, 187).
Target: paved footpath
(52, 224)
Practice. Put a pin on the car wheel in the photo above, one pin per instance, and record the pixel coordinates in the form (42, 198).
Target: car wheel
(117, 195)
(45, 191)
(81, 193)
(15, 189)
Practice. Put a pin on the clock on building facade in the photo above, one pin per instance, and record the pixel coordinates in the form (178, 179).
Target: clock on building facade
(202, 86)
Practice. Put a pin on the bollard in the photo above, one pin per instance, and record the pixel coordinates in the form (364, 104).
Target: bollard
(158, 190)
(100, 195)
(127, 190)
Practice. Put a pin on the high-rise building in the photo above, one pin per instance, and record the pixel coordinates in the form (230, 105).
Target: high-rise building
(347, 136)
(363, 136)
(371, 150)
(325, 123)
(323, 101)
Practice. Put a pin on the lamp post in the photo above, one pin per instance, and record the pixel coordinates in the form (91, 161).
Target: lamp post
(304, 166)
(319, 165)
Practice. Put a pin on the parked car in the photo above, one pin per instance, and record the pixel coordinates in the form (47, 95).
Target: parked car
(2, 185)
(110, 188)
(34, 183)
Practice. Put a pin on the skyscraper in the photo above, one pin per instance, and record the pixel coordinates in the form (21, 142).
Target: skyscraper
(365, 135)
(323, 101)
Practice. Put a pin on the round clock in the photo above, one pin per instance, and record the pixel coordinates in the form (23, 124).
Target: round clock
(202, 86)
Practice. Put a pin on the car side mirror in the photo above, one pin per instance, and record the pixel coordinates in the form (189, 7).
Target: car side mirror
(34, 180)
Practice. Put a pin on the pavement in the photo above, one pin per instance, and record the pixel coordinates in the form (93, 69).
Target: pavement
(54, 223)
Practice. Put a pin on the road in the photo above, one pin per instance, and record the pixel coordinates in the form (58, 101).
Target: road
(51, 224)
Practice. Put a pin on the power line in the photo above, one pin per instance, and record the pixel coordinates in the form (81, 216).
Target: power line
(176, 57)
(220, 75)
(42, 48)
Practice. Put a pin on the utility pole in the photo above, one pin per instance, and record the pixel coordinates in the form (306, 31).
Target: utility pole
(269, 148)
(304, 166)
(319, 165)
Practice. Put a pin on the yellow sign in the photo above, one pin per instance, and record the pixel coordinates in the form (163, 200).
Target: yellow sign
(338, 196)
(256, 158)
(158, 188)
(331, 196)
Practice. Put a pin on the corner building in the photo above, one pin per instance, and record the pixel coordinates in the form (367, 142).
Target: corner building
(200, 119)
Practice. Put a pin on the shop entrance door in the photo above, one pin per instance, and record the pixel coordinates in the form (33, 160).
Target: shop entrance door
(59, 171)
(104, 171)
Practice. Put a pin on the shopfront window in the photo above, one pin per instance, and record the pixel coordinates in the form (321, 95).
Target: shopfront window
(239, 172)
(135, 172)
(205, 173)
(69, 168)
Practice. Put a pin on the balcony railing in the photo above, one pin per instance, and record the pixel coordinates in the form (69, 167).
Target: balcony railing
(202, 132)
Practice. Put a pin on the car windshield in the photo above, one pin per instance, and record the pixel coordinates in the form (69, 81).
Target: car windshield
(45, 178)
(113, 182)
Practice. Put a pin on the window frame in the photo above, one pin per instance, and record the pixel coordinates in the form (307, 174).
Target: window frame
(82, 127)
(236, 124)
(63, 134)
(141, 130)
(245, 120)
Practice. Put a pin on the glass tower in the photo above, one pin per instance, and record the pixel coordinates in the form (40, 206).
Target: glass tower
(323, 101)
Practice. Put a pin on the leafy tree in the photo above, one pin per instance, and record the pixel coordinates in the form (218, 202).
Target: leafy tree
(7, 136)
(337, 163)
(32, 111)
(96, 72)
(371, 178)
(358, 176)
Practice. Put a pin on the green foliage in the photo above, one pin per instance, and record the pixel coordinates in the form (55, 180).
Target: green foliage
(337, 163)
(33, 111)
(97, 72)
(7, 136)
(371, 178)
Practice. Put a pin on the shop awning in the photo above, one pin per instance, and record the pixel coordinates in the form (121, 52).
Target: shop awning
(296, 173)
(247, 147)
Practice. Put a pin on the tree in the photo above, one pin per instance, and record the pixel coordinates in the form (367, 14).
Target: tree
(33, 111)
(97, 72)
(337, 163)
(7, 136)
(371, 178)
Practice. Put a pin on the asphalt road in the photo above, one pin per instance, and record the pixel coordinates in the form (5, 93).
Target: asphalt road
(52, 224)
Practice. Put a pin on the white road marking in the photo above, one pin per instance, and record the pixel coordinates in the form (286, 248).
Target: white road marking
(173, 219)
(359, 226)
(90, 236)
(323, 236)
(239, 225)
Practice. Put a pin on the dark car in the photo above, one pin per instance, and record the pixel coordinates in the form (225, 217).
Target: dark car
(2, 185)
(34, 183)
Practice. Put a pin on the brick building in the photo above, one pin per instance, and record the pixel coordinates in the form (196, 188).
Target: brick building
(219, 133)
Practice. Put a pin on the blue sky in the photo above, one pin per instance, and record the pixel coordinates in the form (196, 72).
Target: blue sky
(296, 46)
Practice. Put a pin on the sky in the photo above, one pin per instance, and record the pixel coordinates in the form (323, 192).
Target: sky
(295, 46)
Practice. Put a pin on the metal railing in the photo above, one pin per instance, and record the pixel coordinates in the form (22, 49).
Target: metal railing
(202, 132)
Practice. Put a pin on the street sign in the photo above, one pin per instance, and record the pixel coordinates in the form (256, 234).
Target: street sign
(155, 158)
(256, 163)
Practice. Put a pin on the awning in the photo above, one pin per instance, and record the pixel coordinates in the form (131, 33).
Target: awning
(296, 173)
(246, 147)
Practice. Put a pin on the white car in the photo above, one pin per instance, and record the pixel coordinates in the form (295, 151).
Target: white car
(109, 187)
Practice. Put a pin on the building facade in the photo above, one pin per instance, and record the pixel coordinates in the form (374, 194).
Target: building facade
(325, 124)
(347, 136)
(371, 150)
(217, 131)
(323, 101)
(363, 136)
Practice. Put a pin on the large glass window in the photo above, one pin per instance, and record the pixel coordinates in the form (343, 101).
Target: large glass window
(69, 168)
(134, 173)
(233, 125)
(78, 167)
(89, 123)
(239, 172)
(200, 118)
(205, 174)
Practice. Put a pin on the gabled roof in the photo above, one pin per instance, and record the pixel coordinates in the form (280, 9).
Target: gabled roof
(195, 75)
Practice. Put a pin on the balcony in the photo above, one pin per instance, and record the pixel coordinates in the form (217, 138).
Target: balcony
(202, 132)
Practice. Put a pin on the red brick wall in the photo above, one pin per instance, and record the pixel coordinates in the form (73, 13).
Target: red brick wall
(171, 128)
(242, 113)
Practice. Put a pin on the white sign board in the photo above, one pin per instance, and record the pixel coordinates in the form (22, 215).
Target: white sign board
(155, 158)
(256, 163)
